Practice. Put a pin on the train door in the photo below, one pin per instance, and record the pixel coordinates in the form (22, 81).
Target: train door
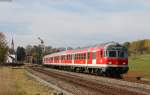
(89, 58)
(94, 58)
(98, 57)
(73, 58)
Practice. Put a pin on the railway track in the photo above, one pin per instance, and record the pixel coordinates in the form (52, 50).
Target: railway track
(81, 86)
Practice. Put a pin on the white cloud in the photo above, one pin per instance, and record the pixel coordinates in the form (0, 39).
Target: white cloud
(62, 28)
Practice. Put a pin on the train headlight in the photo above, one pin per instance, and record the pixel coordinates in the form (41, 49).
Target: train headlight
(124, 63)
(110, 63)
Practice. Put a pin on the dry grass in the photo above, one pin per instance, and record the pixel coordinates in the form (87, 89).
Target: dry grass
(16, 82)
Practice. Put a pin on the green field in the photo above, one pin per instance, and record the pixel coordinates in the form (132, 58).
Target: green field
(140, 63)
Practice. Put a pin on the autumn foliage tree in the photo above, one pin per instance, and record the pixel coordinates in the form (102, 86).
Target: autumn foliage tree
(138, 47)
(3, 48)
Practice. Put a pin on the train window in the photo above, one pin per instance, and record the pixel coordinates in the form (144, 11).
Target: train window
(84, 55)
(101, 53)
(112, 53)
(57, 58)
(67, 57)
(106, 53)
(75, 56)
(94, 55)
(70, 57)
(88, 55)
(121, 54)
(79, 56)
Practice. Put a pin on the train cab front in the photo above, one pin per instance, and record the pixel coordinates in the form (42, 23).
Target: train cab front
(116, 58)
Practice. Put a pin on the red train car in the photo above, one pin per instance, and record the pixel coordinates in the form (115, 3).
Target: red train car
(105, 59)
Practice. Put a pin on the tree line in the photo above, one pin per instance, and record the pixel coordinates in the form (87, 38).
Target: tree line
(138, 47)
(34, 54)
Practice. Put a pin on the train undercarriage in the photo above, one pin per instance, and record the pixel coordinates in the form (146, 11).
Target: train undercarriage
(115, 72)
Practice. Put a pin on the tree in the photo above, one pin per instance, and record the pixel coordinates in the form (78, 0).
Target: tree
(37, 54)
(21, 54)
(126, 44)
(3, 48)
(138, 47)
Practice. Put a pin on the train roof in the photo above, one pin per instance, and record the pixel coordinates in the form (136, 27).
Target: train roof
(85, 49)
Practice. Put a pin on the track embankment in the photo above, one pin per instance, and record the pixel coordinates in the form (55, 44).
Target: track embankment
(82, 84)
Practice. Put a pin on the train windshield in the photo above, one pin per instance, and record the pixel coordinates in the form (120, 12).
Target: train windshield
(122, 54)
(116, 53)
(112, 53)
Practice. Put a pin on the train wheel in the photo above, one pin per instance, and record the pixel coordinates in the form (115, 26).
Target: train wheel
(89, 70)
(99, 72)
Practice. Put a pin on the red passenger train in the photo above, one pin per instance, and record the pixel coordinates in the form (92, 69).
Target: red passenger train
(105, 59)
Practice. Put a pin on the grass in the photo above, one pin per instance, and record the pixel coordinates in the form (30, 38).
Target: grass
(16, 82)
(140, 63)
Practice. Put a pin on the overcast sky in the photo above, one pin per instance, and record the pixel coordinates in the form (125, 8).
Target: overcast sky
(74, 22)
